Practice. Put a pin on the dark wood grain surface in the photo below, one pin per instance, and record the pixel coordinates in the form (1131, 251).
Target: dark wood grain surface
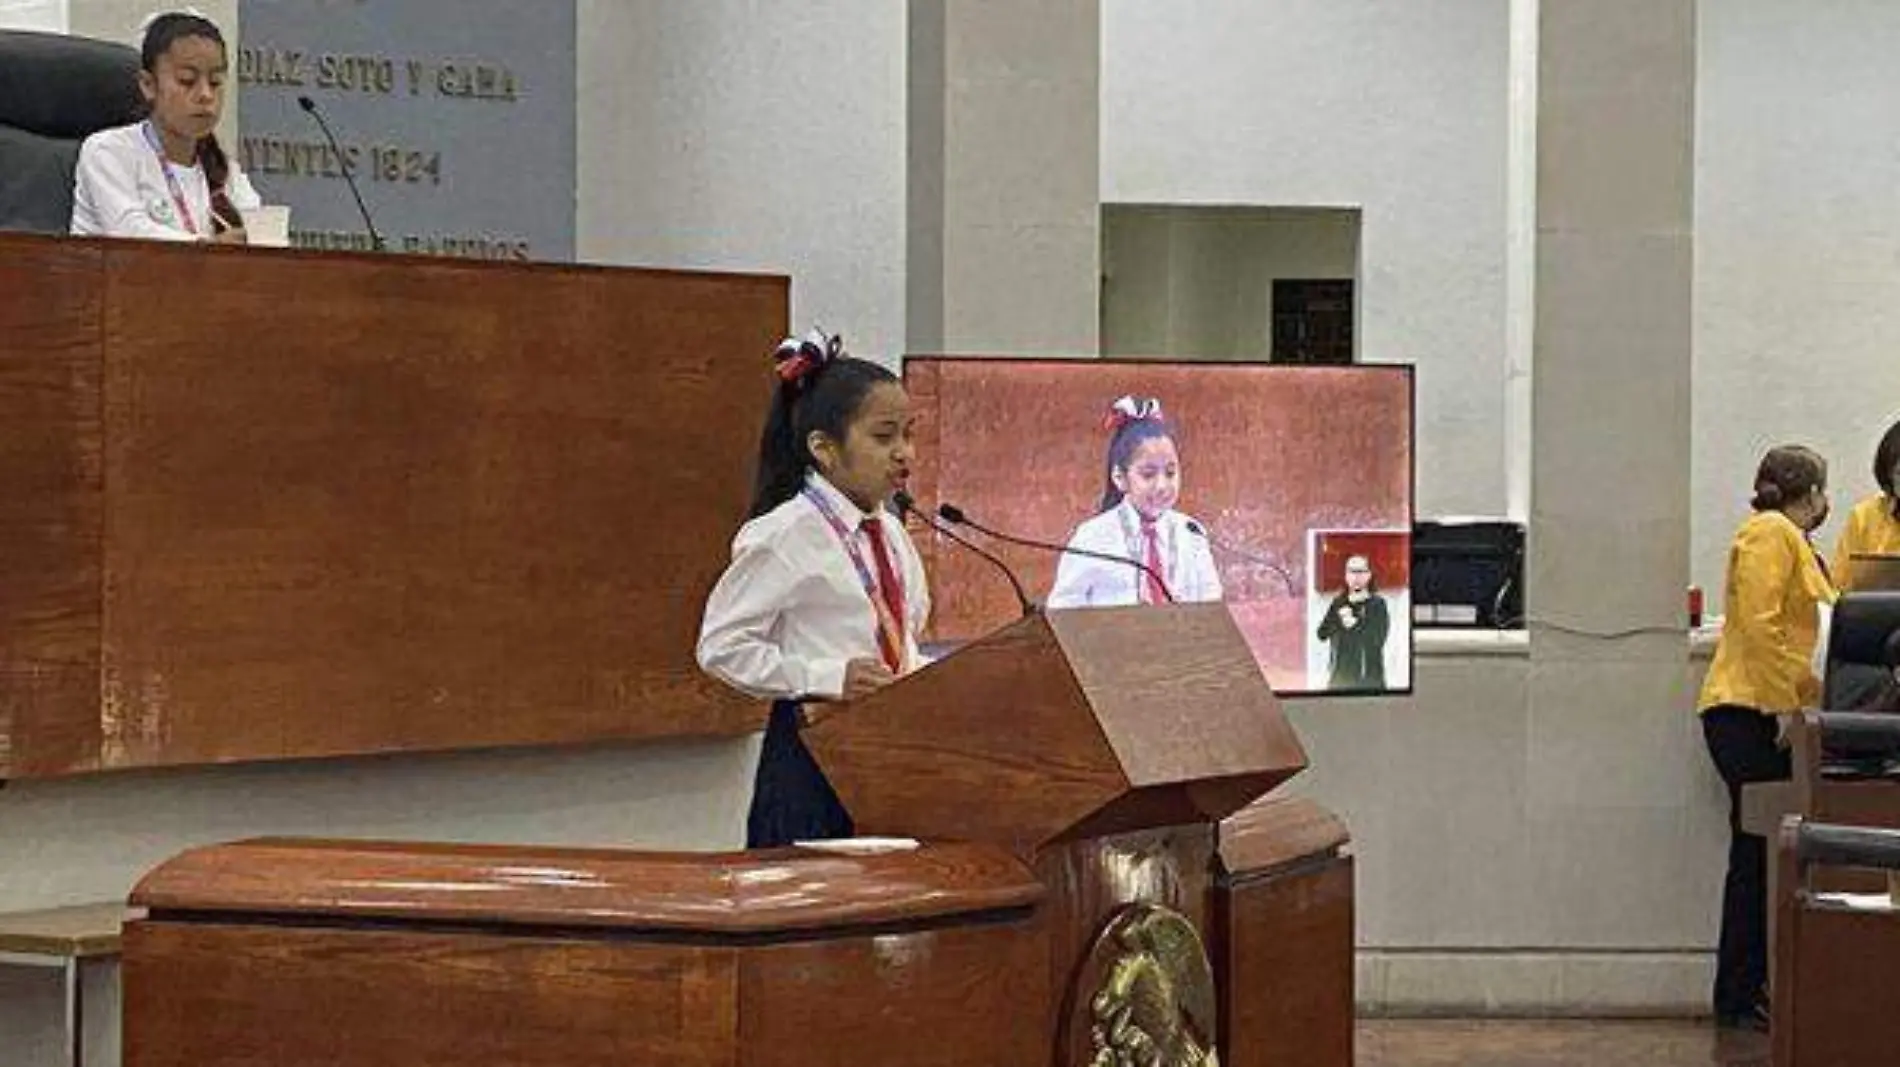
(1179, 695)
(1284, 955)
(893, 979)
(1276, 831)
(972, 995)
(353, 504)
(1834, 972)
(1065, 725)
(715, 893)
(993, 743)
(207, 995)
(51, 507)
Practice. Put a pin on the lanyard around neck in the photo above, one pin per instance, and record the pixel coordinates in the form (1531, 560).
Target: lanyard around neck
(171, 180)
(890, 629)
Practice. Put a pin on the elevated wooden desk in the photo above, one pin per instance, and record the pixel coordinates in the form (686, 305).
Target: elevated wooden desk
(267, 504)
(388, 955)
(1118, 898)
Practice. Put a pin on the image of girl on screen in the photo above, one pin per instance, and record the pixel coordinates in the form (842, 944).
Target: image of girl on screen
(1356, 625)
(1137, 521)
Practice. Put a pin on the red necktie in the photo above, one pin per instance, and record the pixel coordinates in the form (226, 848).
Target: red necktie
(1154, 592)
(891, 645)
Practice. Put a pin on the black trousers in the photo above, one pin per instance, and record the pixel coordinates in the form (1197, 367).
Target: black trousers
(1742, 744)
(792, 800)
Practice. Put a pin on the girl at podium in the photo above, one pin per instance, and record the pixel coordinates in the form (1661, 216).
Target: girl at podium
(825, 594)
(167, 178)
(1137, 521)
(1762, 672)
(1873, 526)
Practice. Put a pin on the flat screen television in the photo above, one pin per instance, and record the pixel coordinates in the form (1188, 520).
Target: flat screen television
(1284, 492)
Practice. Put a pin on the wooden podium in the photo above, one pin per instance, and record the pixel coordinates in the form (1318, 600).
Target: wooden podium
(1093, 912)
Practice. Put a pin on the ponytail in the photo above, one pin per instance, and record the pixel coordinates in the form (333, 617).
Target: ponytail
(783, 456)
(217, 168)
(820, 391)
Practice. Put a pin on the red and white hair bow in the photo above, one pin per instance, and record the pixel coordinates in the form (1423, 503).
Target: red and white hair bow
(1132, 409)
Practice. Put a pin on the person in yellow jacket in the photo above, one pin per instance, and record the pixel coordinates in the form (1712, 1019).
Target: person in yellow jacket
(1873, 527)
(1762, 672)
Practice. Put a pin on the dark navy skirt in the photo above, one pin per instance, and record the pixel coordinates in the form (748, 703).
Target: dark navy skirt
(791, 798)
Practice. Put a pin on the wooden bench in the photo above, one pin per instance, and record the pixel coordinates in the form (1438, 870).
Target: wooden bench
(65, 939)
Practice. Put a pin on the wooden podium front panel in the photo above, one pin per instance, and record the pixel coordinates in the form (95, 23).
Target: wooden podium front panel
(1287, 980)
(935, 998)
(271, 504)
(204, 995)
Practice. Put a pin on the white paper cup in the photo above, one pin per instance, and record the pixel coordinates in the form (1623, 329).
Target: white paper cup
(268, 226)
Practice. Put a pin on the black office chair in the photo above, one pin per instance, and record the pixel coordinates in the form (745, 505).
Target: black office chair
(55, 91)
(1856, 648)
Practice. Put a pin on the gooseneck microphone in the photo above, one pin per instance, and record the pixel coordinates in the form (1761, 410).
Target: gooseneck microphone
(349, 172)
(954, 515)
(1200, 531)
(908, 506)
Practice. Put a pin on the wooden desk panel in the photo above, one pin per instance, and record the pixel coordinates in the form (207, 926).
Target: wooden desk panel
(203, 995)
(50, 503)
(350, 504)
(1287, 980)
(935, 998)
(298, 954)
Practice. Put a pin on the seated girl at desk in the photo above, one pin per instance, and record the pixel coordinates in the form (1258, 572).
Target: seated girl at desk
(166, 178)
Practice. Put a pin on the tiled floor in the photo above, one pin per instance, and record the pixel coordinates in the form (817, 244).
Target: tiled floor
(1556, 1043)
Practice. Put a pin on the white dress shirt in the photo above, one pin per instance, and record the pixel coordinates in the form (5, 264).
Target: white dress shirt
(1187, 562)
(791, 611)
(119, 190)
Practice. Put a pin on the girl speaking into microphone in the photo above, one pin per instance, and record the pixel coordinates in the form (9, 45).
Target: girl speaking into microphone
(825, 595)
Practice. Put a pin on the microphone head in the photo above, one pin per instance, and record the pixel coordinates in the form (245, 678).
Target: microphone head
(903, 500)
(1196, 528)
(306, 103)
(952, 513)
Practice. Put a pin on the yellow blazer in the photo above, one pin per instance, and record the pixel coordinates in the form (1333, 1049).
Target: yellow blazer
(1771, 620)
(1871, 531)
